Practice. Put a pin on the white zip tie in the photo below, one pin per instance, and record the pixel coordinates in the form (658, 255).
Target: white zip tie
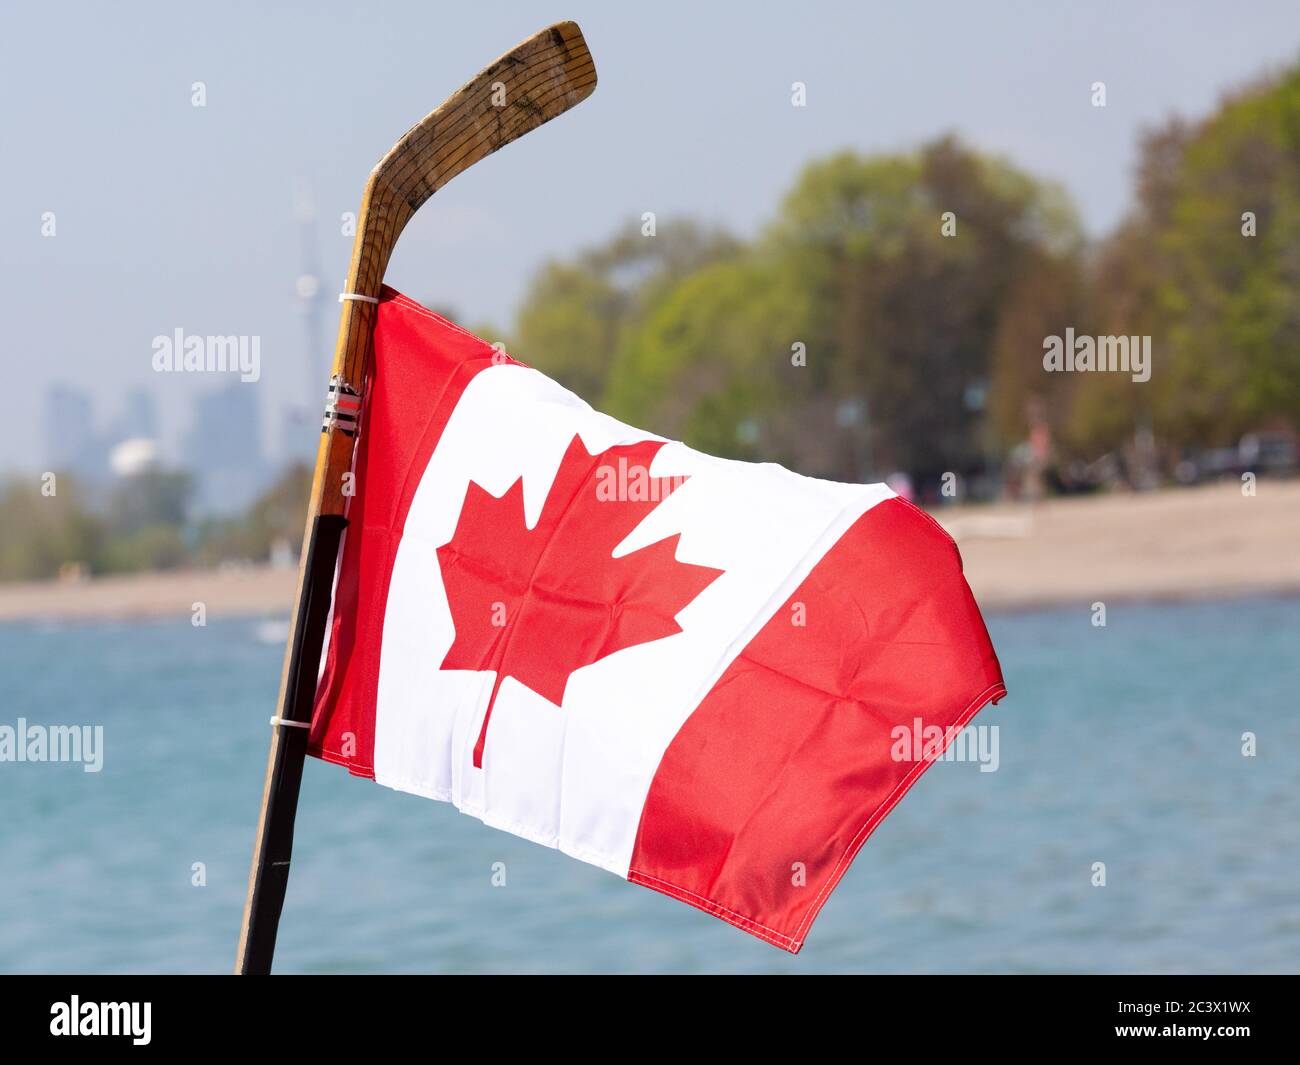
(295, 724)
(358, 297)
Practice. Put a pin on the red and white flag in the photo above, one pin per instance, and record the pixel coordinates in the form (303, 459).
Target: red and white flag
(690, 671)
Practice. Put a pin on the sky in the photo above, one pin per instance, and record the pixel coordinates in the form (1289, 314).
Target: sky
(174, 216)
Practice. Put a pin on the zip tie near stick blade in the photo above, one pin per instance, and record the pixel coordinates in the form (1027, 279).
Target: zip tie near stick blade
(358, 297)
(286, 721)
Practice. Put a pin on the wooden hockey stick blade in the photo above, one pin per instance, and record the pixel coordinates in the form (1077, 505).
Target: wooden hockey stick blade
(528, 86)
(542, 78)
(534, 82)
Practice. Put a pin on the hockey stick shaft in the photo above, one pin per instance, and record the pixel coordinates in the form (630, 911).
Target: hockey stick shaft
(542, 78)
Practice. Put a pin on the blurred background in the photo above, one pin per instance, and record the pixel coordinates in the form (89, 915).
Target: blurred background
(838, 237)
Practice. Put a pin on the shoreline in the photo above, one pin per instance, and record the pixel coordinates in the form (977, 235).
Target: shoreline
(1173, 545)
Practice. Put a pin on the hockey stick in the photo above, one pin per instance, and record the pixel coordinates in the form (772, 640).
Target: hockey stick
(540, 79)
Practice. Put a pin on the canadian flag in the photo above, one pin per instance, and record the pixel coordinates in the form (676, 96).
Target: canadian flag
(690, 671)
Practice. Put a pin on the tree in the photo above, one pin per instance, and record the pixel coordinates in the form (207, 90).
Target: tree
(710, 362)
(1213, 249)
(43, 532)
(276, 516)
(897, 321)
(576, 313)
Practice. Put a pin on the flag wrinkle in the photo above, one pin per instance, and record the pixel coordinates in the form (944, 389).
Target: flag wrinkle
(779, 597)
(992, 693)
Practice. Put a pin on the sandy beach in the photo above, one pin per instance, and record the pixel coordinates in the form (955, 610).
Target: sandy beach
(1197, 543)
(1209, 542)
(246, 591)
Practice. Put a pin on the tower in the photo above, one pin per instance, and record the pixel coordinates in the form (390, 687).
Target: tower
(303, 411)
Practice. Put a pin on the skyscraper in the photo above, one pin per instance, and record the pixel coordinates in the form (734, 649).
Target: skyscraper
(223, 448)
(139, 417)
(71, 443)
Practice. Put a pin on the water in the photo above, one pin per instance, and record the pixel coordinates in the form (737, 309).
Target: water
(1120, 745)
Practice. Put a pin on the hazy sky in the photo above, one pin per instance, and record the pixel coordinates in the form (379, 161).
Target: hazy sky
(173, 216)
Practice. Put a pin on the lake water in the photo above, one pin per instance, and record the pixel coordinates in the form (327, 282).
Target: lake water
(1120, 745)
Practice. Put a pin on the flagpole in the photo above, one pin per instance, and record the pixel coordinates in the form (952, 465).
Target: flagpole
(268, 877)
(540, 79)
(273, 846)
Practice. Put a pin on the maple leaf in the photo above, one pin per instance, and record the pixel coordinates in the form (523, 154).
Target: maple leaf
(537, 604)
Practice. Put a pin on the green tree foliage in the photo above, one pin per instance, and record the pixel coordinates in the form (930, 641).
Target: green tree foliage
(143, 522)
(1222, 307)
(276, 517)
(576, 314)
(569, 325)
(1102, 411)
(905, 315)
(155, 546)
(44, 533)
(898, 321)
(153, 497)
(710, 363)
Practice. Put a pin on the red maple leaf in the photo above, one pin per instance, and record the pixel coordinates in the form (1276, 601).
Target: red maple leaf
(537, 604)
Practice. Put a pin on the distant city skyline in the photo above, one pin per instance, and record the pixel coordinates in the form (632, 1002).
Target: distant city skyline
(223, 448)
(79, 439)
(168, 215)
